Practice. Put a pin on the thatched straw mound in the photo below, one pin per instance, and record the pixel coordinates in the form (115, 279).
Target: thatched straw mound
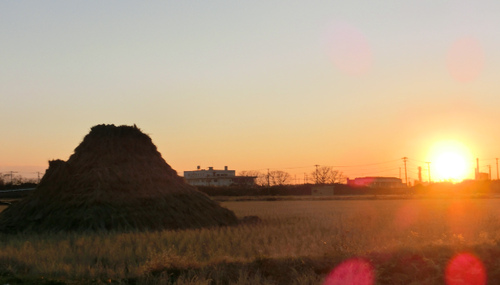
(115, 180)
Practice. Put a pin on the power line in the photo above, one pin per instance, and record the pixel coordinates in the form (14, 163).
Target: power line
(374, 172)
(408, 163)
(311, 166)
(297, 167)
(410, 159)
(38, 173)
(11, 172)
(363, 164)
(373, 169)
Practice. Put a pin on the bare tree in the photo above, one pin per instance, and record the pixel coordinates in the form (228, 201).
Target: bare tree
(272, 178)
(327, 175)
(278, 177)
(249, 173)
(18, 180)
(261, 178)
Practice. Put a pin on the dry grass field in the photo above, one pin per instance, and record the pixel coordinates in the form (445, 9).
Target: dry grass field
(298, 242)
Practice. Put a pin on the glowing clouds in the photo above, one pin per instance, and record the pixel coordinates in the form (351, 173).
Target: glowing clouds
(465, 268)
(349, 49)
(353, 271)
(465, 59)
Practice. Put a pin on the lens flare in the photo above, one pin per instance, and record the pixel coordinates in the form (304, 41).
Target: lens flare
(349, 49)
(353, 271)
(465, 268)
(465, 59)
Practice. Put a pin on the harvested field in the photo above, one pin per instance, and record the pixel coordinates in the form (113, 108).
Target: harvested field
(298, 242)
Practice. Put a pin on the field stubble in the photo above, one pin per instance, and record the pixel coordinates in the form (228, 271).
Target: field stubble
(298, 242)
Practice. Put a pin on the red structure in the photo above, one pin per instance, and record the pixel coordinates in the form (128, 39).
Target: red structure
(376, 182)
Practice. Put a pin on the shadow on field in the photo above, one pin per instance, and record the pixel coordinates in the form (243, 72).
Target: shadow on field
(422, 265)
(274, 270)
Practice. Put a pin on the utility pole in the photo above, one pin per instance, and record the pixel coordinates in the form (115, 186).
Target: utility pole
(38, 177)
(305, 177)
(268, 183)
(406, 176)
(11, 181)
(489, 171)
(420, 174)
(429, 170)
(477, 168)
(317, 176)
(497, 167)
(400, 173)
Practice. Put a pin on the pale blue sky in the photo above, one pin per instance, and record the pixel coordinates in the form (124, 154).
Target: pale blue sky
(244, 84)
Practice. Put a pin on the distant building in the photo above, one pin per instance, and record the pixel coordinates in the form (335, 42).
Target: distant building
(376, 182)
(214, 177)
(482, 176)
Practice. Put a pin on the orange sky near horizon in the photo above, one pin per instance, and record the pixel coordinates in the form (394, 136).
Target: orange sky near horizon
(254, 85)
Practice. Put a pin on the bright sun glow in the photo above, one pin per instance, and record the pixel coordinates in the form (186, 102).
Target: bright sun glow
(450, 166)
(450, 160)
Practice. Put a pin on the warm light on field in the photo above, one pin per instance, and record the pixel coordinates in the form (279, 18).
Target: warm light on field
(450, 160)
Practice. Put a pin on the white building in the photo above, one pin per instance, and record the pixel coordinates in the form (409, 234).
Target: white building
(214, 177)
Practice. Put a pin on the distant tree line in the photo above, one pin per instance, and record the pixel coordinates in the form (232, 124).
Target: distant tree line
(16, 182)
(321, 175)
(478, 188)
(279, 182)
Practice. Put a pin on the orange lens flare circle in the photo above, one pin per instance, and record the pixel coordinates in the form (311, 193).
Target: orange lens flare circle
(352, 271)
(465, 59)
(465, 268)
(349, 49)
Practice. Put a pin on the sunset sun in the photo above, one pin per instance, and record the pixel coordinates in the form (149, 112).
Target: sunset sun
(451, 165)
(450, 160)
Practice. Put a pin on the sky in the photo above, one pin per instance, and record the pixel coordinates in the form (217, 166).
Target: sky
(254, 85)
